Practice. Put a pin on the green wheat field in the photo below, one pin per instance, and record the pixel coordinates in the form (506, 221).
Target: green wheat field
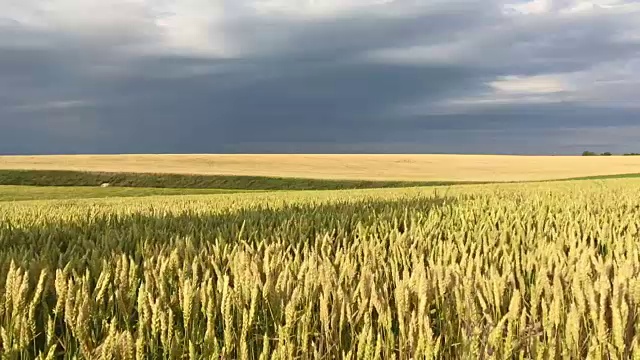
(503, 271)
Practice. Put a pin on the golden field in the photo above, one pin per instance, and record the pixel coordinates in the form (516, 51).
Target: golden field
(362, 167)
(499, 271)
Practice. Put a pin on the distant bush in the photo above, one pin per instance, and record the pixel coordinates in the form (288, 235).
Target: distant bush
(631, 154)
(591, 153)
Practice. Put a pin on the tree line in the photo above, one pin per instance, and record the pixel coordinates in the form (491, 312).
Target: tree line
(591, 153)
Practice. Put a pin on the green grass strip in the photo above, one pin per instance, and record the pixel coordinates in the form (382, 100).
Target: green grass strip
(228, 182)
(605, 177)
(21, 192)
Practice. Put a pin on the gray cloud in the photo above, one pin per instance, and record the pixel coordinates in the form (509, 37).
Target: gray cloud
(348, 76)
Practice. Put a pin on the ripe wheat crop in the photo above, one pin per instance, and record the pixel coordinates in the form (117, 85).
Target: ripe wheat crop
(540, 271)
(380, 167)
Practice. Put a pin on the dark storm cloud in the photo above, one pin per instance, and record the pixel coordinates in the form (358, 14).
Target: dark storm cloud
(255, 82)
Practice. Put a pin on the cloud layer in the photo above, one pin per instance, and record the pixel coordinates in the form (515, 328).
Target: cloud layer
(148, 76)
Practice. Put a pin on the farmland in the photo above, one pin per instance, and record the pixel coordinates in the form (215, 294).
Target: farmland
(540, 270)
(456, 168)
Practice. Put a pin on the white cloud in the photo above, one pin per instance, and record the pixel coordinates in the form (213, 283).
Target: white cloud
(523, 32)
(53, 105)
(529, 7)
(541, 84)
(541, 7)
(222, 28)
(129, 26)
(613, 84)
(313, 8)
(78, 16)
(194, 27)
(527, 52)
(213, 28)
(537, 52)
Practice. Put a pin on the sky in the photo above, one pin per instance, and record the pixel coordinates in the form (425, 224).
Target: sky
(319, 76)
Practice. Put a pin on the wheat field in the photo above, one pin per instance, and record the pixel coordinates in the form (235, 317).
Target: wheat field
(504, 271)
(361, 167)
